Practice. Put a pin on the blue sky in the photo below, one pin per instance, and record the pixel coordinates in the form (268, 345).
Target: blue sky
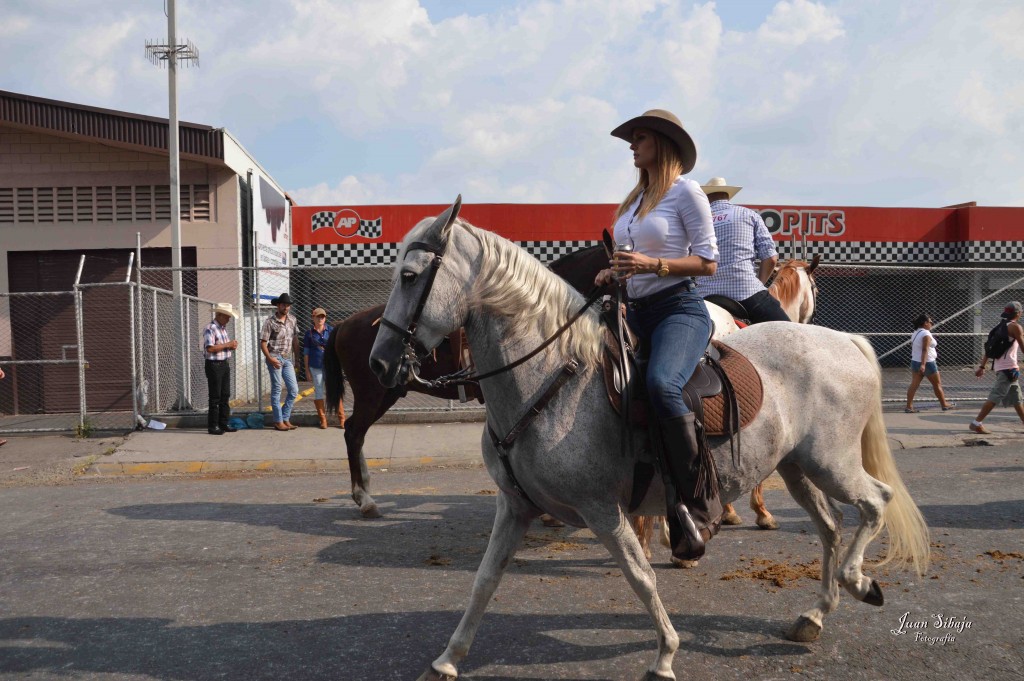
(840, 102)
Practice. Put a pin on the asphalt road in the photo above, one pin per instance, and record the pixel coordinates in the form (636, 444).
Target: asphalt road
(277, 578)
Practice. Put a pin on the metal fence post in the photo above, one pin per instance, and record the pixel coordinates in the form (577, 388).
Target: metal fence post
(256, 334)
(131, 340)
(80, 334)
(141, 366)
(186, 308)
(156, 353)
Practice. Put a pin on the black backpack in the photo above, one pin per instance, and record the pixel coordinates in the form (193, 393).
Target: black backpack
(998, 341)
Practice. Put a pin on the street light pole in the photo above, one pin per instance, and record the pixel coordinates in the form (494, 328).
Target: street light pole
(171, 54)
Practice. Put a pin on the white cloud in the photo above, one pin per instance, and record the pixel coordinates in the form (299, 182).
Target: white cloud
(12, 25)
(800, 21)
(350, 190)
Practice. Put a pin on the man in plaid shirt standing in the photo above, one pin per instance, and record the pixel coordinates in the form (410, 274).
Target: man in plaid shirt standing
(278, 342)
(217, 346)
(742, 239)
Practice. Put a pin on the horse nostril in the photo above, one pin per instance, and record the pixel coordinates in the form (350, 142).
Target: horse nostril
(379, 367)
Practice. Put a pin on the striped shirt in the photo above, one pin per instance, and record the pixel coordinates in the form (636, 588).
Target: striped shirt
(215, 334)
(742, 239)
(279, 334)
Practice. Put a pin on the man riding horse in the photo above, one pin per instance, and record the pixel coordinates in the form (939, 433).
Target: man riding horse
(738, 284)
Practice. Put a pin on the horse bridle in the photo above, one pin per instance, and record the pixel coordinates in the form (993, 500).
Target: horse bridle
(412, 358)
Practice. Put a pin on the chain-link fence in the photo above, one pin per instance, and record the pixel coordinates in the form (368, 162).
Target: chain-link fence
(113, 354)
(40, 350)
(881, 302)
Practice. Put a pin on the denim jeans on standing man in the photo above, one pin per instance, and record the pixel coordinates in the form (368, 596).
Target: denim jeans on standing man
(674, 332)
(286, 372)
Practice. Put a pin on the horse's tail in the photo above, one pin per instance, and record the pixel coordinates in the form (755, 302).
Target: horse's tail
(909, 543)
(334, 377)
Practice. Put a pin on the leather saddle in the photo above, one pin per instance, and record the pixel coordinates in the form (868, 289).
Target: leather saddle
(733, 307)
(722, 373)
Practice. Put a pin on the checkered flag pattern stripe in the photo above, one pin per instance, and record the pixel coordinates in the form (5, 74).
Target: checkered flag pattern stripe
(352, 254)
(369, 229)
(324, 218)
(875, 252)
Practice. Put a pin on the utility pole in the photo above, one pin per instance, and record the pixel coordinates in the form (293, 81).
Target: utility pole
(170, 54)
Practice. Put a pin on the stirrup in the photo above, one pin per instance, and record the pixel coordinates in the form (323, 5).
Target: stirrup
(690, 543)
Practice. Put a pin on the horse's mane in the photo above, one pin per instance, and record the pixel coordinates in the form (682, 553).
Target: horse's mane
(787, 281)
(515, 285)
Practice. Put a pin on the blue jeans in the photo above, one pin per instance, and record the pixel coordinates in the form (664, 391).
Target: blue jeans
(286, 372)
(317, 376)
(674, 332)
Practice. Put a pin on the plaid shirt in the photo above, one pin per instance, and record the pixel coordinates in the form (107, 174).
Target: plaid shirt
(215, 334)
(279, 334)
(742, 238)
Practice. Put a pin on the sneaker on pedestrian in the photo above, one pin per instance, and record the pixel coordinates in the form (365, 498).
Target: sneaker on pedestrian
(214, 431)
(980, 429)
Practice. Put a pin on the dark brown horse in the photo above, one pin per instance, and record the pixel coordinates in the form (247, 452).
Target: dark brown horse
(349, 359)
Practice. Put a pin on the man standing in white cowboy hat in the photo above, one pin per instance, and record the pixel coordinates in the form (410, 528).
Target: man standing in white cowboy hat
(742, 239)
(217, 346)
(279, 343)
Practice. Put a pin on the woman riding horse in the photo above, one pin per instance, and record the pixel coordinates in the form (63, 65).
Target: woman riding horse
(665, 221)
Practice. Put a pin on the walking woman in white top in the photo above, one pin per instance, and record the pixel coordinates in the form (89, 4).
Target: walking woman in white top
(923, 364)
(666, 219)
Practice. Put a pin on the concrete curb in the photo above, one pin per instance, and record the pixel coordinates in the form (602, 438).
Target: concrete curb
(117, 469)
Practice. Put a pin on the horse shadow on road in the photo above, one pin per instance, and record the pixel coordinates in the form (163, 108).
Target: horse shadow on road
(375, 646)
(417, 531)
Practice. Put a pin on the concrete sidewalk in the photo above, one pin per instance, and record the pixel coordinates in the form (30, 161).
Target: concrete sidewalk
(305, 449)
(309, 449)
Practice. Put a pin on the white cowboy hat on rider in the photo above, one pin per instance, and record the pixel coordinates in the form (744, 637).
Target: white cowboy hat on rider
(718, 185)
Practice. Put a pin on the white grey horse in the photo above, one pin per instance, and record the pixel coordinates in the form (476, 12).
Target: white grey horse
(820, 426)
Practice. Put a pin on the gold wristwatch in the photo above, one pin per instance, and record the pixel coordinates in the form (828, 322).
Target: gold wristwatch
(662, 268)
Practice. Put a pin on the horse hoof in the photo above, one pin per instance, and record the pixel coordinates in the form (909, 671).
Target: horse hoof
(684, 564)
(432, 675)
(655, 676)
(804, 630)
(767, 523)
(549, 521)
(732, 519)
(874, 594)
(370, 511)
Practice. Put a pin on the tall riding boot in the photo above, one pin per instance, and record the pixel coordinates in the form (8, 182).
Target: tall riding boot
(341, 414)
(694, 509)
(321, 413)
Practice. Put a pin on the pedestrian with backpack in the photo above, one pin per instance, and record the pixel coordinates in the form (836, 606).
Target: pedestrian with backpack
(1002, 350)
(923, 363)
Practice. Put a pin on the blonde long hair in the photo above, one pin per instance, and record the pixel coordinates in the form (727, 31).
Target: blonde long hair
(669, 166)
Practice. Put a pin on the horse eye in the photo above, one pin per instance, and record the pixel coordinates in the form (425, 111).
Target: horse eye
(408, 277)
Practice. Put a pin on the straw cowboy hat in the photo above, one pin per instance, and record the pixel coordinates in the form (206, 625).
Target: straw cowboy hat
(718, 185)
(668, 125)
(225, 308)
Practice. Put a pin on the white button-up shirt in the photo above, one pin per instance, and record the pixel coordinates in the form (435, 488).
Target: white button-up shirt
(680, 225)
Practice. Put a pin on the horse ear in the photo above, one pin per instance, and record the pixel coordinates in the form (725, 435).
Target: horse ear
(452, 213)
(442, 224)
(815, 261)
(609, 243)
